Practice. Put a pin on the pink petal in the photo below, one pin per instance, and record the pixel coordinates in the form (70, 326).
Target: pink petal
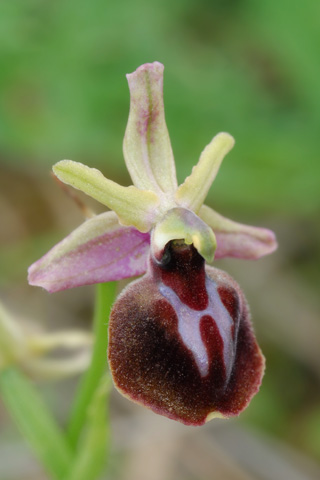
(236, 239)
(100, 250)
(245, 245)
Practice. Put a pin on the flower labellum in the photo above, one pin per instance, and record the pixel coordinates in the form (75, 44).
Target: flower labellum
(180, 337)
(181, 342)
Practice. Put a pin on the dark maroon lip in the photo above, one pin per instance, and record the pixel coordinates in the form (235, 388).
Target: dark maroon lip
(181, 341)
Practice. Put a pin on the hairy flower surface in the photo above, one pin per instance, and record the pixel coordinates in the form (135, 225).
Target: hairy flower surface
(181, 341)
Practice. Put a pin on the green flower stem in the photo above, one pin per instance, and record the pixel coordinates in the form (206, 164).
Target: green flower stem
(94, 444)
(90, 382)
(36, 423)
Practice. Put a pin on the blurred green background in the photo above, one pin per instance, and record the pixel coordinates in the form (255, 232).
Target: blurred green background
(247, 67)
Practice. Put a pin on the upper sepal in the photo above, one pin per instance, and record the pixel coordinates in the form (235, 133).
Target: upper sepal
(146, 146)
(100, 250)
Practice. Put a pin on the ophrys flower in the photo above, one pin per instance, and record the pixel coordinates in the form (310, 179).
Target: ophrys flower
(181, 342)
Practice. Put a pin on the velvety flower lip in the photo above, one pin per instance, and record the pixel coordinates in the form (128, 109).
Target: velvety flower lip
(181, 341)
(115, 244)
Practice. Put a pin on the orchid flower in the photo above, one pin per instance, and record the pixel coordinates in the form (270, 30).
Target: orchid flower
(180, 337)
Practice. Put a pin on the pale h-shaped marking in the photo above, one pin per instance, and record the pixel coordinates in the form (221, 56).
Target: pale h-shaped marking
(189, 326)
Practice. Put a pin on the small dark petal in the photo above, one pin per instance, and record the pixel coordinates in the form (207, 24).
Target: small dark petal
(186, 360)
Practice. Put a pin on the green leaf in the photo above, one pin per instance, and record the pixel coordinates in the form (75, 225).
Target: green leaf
(35, 423)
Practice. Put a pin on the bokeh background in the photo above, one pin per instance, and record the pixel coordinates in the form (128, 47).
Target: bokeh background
(247, 67)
